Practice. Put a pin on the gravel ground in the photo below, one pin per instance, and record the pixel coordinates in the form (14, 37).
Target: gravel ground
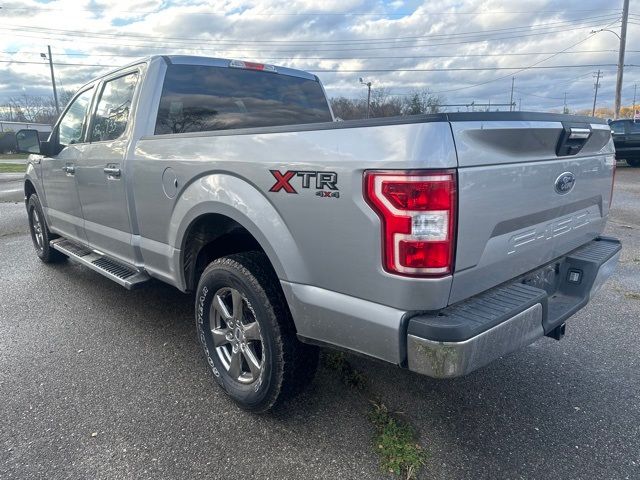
(100, 382)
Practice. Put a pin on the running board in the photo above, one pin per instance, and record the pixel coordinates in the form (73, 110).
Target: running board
(127, 276)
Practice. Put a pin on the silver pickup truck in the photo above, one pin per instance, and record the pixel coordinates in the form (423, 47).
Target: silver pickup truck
(436, 242)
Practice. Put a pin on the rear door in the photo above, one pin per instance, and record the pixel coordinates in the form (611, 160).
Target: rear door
(100, 172)
(62, 204)
(526, 196)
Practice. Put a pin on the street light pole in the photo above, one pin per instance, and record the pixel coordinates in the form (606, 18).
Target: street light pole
(368, 85)
(53, 78)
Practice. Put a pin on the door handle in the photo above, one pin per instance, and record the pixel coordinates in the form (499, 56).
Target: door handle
(112, 171)
(69, 169)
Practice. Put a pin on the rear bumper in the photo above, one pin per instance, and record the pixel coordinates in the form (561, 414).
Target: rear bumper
(472, 333)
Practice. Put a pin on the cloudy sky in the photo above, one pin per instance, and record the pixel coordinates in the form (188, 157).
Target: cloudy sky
(464, 50)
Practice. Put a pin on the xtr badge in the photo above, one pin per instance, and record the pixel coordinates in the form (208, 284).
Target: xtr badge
(326, 183)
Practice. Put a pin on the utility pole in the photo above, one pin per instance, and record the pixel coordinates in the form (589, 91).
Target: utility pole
(368, 85)
(635, 89)
(520, 103)
(623, 45)
(53, 78)
(595, 95)
(513, 79)
(565, 110)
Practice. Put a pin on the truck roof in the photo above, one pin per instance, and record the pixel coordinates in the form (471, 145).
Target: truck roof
(204, 61)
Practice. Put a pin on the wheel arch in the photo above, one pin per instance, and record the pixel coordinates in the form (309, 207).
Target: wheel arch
(220, 215)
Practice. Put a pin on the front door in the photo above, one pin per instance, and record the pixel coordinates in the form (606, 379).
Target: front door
(101, 174)
(62, 203)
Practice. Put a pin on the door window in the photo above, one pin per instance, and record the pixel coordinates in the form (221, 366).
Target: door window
(72, 124)
(114, 107)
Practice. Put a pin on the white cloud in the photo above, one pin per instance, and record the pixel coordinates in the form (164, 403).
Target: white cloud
(331, 35)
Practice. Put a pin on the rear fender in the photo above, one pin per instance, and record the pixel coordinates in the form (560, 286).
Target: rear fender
(237, 199)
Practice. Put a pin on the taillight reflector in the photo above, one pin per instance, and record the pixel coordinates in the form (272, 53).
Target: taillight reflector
(418, 213)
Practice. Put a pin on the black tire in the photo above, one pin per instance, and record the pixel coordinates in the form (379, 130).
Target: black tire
(286, 364)
(40, 234)
(635, 162)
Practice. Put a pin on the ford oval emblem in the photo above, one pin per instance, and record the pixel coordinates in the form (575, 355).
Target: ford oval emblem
(565, 182)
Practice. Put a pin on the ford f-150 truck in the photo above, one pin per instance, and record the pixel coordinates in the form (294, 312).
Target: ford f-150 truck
(434, 242)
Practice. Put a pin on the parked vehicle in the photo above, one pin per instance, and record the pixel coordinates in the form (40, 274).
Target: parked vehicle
(626, 139)
(435, 242)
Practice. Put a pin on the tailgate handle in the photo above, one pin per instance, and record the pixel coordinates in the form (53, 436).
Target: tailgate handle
(573, 137)
(579, 133)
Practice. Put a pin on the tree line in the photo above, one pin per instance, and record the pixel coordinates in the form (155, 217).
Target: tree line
(34, 108)
(383, 104)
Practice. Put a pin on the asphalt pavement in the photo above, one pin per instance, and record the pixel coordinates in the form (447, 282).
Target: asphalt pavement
(100, 382)
(11, 187)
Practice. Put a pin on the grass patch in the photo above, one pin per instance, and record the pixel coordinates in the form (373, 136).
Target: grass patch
(632, 295)
(12, 168)
(351, 377)
(13, 156)
(396, 443)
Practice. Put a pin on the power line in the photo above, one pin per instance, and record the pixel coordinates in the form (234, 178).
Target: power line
(85, 35)
(319, 14)
(524, 69)
(364, 70)
(537, 96)
(378, 57)
(542, 26)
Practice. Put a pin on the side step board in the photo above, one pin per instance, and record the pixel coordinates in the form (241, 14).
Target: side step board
(125, 275)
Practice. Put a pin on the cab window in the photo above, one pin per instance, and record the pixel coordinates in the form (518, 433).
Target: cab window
(72, 125)
(114, 106)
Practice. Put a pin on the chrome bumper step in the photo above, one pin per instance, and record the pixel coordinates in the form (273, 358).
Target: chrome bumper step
(468, 335)
(126, 275)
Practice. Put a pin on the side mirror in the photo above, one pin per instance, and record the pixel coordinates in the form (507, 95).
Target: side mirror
(28, 141)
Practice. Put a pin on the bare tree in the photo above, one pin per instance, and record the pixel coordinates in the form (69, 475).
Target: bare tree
(34, 108)
(385, 104)
(421, 102)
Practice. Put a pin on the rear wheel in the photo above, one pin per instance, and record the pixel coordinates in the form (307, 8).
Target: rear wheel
(634, 162)
(247, 333)
(40, 234)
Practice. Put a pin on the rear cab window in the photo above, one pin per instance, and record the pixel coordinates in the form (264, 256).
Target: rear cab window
(206, 98)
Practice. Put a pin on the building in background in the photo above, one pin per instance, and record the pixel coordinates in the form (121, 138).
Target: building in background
(8, 136)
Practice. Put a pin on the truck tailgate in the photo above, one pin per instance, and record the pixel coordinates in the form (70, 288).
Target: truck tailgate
(523, 201)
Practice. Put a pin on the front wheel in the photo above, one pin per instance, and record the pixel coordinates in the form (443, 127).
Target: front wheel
(247, 333)
(40, 234)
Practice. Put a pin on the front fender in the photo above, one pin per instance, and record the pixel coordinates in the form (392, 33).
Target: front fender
(239, 200)
(32, 174)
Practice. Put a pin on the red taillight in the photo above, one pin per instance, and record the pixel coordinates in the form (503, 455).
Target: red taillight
(418, 213)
